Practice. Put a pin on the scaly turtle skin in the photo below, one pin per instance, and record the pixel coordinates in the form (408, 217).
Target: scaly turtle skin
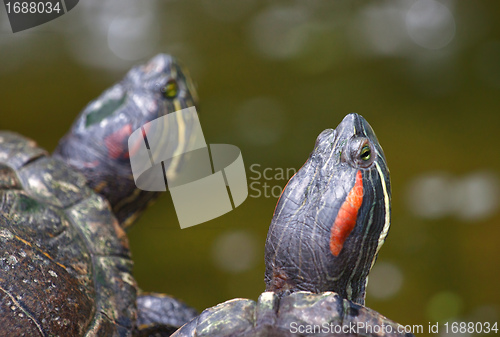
(328, 227)
(65, 264)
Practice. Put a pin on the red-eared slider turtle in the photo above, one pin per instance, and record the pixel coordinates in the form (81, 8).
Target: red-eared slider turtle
(327, 229)
(65, 266)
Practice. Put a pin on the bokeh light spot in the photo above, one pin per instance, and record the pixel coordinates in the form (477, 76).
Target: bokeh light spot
(385, 280)
(477, 196)
(272, 32)
(133, 36)
(235, 251)
(473, 197)
(379, 29)
(429, 195)
(430, 24)
(444, 306)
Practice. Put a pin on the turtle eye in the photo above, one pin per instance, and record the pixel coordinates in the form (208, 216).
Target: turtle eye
(365, 153)
(171, 89)
(358, 152)
(364, 156)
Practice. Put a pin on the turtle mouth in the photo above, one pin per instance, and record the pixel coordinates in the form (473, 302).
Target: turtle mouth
(353, 124)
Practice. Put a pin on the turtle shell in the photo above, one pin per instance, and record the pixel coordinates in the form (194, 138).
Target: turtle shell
(298, 314)
(65, 267)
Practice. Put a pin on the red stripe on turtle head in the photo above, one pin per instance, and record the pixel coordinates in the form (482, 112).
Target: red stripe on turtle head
(347, 216)
(116, 143)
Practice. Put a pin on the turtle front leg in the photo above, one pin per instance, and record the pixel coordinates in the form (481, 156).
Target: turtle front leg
(159, 315)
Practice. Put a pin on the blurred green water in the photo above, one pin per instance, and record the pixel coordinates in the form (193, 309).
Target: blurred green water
(434, 110)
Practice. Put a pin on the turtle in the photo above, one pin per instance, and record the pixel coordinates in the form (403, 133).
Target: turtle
(327, 229)
(65, 262)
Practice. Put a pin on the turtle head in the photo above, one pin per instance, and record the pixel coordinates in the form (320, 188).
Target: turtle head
(97, 144)
(333, 216)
